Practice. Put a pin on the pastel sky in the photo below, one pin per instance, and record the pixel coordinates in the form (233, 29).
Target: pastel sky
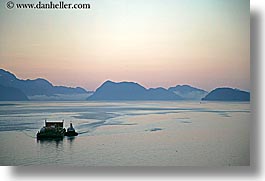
(204, 43)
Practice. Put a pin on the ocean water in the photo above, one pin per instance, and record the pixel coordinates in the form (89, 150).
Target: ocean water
(166, 133)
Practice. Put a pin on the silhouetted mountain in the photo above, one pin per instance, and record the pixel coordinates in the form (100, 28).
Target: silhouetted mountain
(227, 94)
(36, 87)
(130, 91)
(187, 92)
(11, 94)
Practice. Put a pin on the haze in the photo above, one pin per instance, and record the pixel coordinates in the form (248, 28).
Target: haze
(204, 43)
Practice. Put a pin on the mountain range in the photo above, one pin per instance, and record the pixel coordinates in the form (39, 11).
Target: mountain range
(39, 87)
(131, 91)
(14, 89)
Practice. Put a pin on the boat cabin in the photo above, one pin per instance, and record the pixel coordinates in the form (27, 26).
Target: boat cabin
(56, 124)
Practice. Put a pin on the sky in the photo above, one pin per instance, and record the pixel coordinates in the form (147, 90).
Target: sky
(157, 43)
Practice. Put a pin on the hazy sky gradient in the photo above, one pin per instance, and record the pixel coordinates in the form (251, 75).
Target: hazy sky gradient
(204, 43)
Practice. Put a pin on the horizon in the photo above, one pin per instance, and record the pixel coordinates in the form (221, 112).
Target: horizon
(123, 82)
(203, 43)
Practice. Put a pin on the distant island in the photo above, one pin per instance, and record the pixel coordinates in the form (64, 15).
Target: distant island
(14, 89)
(227, 94)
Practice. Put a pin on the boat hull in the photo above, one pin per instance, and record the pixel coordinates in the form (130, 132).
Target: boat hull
(51, 133)
(45, 136)
(71, 133)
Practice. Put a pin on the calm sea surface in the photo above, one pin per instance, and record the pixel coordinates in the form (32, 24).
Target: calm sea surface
(164, 133)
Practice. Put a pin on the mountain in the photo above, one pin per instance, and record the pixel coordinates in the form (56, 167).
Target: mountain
(188, 93)
(11, 94)
(227, 94)
(40, 89)
(36, 87)
(130, 91)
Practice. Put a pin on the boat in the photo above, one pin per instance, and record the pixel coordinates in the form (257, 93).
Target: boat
(51, 130)
(71, 131)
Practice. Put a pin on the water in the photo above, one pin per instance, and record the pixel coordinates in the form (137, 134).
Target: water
(177, 133)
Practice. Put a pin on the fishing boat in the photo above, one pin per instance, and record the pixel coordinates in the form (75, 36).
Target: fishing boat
(71, 131)
(51, 130)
